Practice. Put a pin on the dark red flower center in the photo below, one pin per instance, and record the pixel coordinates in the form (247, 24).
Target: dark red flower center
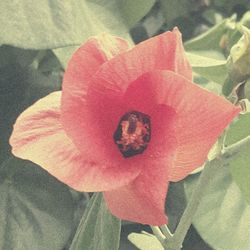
(133, 133)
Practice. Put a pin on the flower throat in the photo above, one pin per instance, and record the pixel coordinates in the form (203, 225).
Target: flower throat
(133, 133)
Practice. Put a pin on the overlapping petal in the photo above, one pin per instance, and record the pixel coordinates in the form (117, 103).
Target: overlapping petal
(200, 118)
(38, 136)
(143, 200)
(82, 66)
(163, 52)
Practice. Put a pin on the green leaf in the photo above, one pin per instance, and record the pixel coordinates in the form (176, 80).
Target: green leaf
(134, 11)
(55, 23)
(175, 204)
(209, 85)
(36, 211)
(40, 85)
(64, 54)
(238, 130)
(240, 171)
(200, 61)
(208, 64)
(228, 86)
(229, 4)
(210, 40)
(145, 241)
(217, 74)
(98, 229)
(13, 85)
(47, 62)
(223, 216)
(212, 16)
(10, 55)
(173, 9)
(239, 164)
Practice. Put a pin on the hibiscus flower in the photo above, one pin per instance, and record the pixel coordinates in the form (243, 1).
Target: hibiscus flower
(126, 123)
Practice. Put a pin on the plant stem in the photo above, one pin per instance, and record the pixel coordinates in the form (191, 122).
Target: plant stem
(235, 148)
(186, 220)
(165, 230)
(159, 235)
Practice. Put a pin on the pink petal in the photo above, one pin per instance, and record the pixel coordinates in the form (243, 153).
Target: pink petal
(38, 136)
(82, 66)
(182, 66)
(201, 117)
(143, 200)
(163, 52)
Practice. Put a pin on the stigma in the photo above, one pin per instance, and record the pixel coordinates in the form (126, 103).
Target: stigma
(133, 133)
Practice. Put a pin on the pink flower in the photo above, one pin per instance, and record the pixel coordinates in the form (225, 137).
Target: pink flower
(128, 121)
